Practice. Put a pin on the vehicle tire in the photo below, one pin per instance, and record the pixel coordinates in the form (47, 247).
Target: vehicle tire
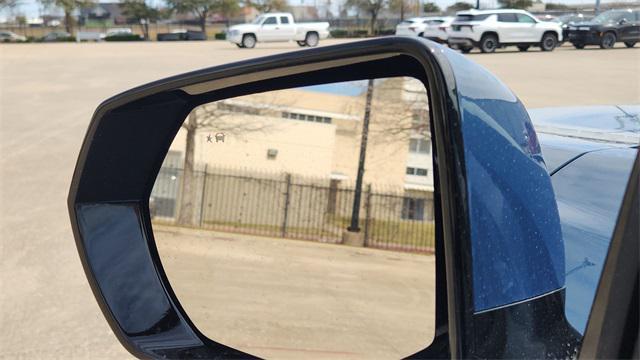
(466, 50)
(549, 42)
(523, 47)
(579, 46)
(311, 39)
(489, 43)
(629, 44)
(608, 40)
(249, 41)
(301, 43)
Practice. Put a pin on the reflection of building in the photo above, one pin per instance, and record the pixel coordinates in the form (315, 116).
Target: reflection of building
(318, 133)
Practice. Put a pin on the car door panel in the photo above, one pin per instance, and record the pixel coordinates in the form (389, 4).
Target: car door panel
(269, 30)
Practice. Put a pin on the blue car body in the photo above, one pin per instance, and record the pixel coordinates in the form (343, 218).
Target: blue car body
(589, 152)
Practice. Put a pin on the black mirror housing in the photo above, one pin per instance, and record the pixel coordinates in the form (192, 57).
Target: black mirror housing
(474, 117)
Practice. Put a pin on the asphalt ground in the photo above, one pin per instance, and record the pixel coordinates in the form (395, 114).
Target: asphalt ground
(47, 95)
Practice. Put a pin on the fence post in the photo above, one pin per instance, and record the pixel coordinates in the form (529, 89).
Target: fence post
(204, 184)
(286, 204)
(367, 215)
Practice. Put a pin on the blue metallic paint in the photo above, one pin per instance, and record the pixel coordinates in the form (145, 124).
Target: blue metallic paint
(516, 240)
(589, 193)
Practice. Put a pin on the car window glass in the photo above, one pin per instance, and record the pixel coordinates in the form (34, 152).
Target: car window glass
(525, 19)
(270, 21)
(507, 18)
(284, 20)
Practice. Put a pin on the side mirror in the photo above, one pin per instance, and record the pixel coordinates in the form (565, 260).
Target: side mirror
(622, 21)
(499, 254)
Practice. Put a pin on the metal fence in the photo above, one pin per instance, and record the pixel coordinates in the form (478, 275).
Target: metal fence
(296, 207)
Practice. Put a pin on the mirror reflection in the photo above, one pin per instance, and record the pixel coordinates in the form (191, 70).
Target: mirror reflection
(299, 223)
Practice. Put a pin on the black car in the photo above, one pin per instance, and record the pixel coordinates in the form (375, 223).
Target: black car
(182, 35)
(568, 20)
(606, 29)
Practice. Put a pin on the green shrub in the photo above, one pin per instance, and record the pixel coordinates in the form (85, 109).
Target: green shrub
(360, 33)
(220, 36)
(124, 37)
(389, 31)
(338, 33)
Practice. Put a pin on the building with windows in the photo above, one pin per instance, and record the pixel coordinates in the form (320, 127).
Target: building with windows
(316, 133)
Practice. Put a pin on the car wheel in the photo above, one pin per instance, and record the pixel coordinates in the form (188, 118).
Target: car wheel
(523, 47)
(549, 42)
(301, 43)
(629, 44)
(311, 39)
(579, 46)
(489, 43)
(608, 40)
(466, 50)
(249, 41)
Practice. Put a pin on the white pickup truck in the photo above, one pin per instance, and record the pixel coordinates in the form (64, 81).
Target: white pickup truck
(277, 27)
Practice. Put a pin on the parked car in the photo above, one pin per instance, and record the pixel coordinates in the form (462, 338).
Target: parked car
(182, 35)
(9, 36)
(89, 36)
(606, 29)
(569, 19)
(277, 27)
(57, 36)
(412, 27)
(536, 237)
(437, 29)
(118, 32)
(489, 30)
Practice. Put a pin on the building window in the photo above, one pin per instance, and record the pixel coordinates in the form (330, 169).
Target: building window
(417, 171)
(272, 154)
(420, 146)
(413, 209)
(311, 118)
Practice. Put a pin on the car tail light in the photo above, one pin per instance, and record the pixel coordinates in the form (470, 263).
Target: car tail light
(442, 28)
(413, 28)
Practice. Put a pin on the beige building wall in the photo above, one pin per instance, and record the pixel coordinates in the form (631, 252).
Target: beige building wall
(314, 148)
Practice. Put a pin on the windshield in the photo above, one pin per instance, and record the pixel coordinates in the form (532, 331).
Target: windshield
(612, 16)
(258, 20)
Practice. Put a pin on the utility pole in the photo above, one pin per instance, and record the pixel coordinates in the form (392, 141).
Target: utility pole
(478, 4)
(597, 10)
(355, 212)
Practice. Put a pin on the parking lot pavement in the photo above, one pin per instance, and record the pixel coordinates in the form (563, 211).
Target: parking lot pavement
(47, 95)
(281, 298)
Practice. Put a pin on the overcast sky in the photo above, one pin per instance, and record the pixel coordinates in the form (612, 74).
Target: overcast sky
(32, 9)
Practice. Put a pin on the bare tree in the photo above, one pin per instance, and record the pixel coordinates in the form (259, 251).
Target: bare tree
(203, 8)
(265, 6)
(142, 13)
(399, 6)
(372, 8)
(8, 4)
(68, 7)
(220, 117)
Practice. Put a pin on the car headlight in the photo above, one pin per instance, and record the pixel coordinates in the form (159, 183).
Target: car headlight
(233, 32)
(572, 28)
(584, 28)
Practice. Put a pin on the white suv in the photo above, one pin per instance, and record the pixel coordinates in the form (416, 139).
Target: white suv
(491, 29)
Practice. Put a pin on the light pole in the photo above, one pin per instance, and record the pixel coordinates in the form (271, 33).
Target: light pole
(355, 212)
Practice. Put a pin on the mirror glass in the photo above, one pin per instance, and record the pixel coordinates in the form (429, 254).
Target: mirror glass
(299, 223)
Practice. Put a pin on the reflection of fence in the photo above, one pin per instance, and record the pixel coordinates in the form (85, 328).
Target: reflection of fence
(288, 206)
